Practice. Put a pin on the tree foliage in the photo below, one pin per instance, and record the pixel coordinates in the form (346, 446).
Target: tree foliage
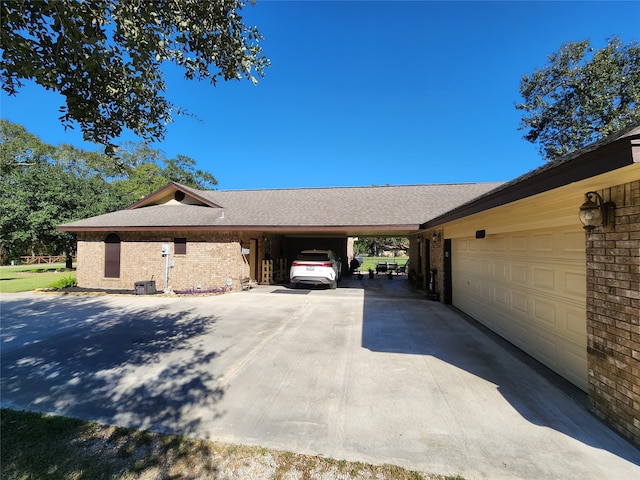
(581, 95)
(144, 170)
(19, 148)
(37, 199)
(105, 56)
(43, 186)
(374, 245)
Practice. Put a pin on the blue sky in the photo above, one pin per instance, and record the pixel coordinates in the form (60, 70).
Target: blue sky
(368, 93)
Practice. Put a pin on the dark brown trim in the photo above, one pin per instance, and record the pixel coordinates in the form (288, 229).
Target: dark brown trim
(592, 163)
(112, 249)
(447, 295)
(245, 228)
(180, 246)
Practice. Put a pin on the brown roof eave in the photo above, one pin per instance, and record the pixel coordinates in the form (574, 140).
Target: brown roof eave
(236, 228)
(335, 228)
(596, 162)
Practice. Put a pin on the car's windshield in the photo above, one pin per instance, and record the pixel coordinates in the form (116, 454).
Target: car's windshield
(314, 256)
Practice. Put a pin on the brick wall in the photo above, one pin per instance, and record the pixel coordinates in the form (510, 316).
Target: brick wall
(434, 245)
(417, 261)
(613, 314)
(414, 253)
(210, 260)
(437, 262)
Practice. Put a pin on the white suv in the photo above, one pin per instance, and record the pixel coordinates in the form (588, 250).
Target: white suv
(316, 267)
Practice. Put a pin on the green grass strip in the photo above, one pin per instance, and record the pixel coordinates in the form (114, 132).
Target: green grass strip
(34, 446)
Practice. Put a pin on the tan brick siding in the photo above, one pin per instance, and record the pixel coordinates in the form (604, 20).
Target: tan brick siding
(210, 260)
(435, 243)
(437, 263)
(613, 314)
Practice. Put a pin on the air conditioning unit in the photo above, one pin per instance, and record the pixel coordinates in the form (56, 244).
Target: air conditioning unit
(145, 287)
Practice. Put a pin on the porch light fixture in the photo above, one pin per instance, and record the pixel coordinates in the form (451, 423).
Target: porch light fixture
(594, 212)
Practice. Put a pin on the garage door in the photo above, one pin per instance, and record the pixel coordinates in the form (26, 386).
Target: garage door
(529, 287)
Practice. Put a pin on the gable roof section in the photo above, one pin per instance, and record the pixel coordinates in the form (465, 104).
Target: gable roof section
(606, 155)
(346, 208)
(169, 189)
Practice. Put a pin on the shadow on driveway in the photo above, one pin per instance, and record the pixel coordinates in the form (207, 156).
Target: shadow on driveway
(136, 366)
(444, 333)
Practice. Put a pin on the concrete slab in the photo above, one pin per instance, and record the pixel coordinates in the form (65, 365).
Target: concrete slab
(371, 371)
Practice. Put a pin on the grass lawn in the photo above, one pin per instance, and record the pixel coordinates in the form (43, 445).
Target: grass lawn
(24, 278)
(370, 262)
(33, 445)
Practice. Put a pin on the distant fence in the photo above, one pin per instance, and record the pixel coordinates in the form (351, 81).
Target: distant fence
(43, 259)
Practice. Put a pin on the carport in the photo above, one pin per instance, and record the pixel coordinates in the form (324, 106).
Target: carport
(293, 243)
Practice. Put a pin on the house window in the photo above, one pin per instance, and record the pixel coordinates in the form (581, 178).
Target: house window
(112, 256)
(180, 246)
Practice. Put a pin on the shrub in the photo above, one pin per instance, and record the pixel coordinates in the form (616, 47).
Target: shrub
(64, 282)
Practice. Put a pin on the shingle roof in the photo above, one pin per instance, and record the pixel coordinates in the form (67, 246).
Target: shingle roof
(306, 207)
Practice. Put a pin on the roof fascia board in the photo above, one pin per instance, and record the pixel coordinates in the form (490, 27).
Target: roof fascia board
(159, 193)
(635, 149)
(241, 228)
(608, 158)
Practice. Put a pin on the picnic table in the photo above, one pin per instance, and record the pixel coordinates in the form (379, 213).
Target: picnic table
(385, 267)
(390, 267)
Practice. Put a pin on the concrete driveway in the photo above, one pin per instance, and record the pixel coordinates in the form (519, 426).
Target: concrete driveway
(376, 374)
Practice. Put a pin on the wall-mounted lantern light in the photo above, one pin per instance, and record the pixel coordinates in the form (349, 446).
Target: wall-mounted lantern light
(594, 212)
(436, 235)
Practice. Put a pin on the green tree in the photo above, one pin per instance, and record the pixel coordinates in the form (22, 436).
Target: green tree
(105, 56)
(581, 95)
(40, 197)
(372, 245)
(141, 181)
(42, 186)
(19, 148)
(145, 170)
(182, 169)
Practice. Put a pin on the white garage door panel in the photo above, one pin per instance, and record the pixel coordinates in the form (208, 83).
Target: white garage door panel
(544, 312)
(544, 347)
(530, 288)
(575, 364)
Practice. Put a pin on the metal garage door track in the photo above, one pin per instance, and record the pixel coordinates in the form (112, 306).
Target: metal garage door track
(371, 371)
